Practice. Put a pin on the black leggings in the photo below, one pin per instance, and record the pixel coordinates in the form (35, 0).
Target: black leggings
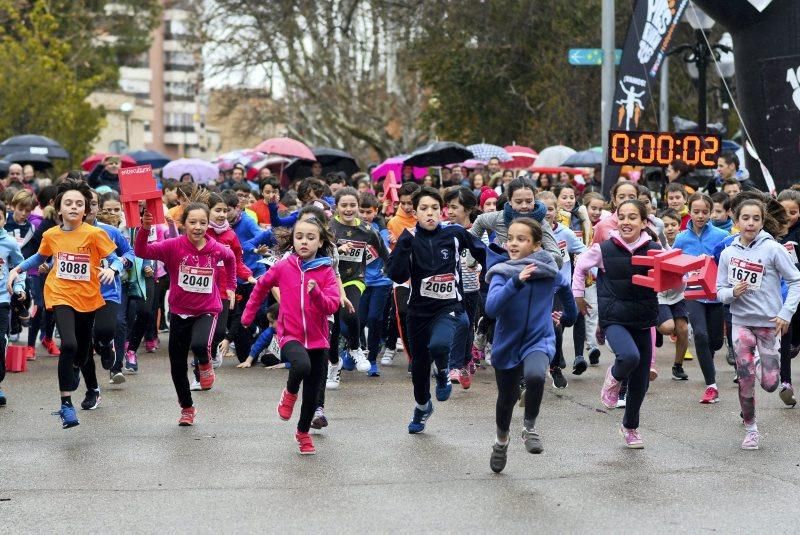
(241, 337)
(140, 314)
(5, 314)
(707, 320)
(398, 325)
(351, 323)
(534, 368)
(221, 328)
(105, 320)
(308, 367)
(76, 344)
(195, 333)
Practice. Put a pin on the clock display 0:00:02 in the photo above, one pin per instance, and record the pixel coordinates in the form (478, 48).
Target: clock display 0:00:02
(662, 148)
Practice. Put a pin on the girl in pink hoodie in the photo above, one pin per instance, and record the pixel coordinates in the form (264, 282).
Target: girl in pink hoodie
(309, 294)
(192, 261)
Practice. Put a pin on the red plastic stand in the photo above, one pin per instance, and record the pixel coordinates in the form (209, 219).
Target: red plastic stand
(16, 359)
(137, 184)
(706, 279)
(668, 269)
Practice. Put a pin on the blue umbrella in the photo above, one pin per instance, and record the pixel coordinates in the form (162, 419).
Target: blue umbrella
(585, 158)
(486, 151)
(150, 157)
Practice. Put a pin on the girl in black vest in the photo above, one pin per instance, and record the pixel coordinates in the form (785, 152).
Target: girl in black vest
(627, 311)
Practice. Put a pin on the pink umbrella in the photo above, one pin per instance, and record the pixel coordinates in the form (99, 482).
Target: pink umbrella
(89, 163)
(395, 165)
(285, 146)
(522, 157)
(469, 164)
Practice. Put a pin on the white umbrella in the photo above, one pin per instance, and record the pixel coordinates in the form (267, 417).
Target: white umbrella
(553, 156)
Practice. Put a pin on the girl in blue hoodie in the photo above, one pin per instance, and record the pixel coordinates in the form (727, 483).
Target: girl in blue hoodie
(522, 283)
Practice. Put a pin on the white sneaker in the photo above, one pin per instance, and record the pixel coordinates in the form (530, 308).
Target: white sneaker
(388, 357)
(194, 385)
(216, 362)
(399, 345)
(487, 354)
(334, 376)
(362, 363)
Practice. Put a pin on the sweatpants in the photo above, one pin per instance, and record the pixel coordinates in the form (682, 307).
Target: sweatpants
(243, 338)
(195, 333)
(533, 369)
(707, 320)
(633, 351)
(461, 353)
(371, 311)
(308, 367)
(76, 344)
(432, 339)
(140, 314)
(745, 341)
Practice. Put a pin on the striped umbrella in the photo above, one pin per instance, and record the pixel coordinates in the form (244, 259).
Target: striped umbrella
(486, 151)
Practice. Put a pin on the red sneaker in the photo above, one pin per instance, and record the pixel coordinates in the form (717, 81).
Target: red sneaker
(711, 395)
(51, 347)
(465, 380)
(207, 376)
(30, 353)
(286, 405)
(305, 442)
(187, 416)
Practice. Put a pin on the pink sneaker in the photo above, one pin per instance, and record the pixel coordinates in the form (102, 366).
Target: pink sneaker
(455, 376)
(751, 440)
(711, 395)
(151, 346)
(305, 443)
(609, 395)
(632, 438)
(286, 405)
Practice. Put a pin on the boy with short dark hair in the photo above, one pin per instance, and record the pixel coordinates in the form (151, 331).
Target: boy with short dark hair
(721, 213)
(676, 199)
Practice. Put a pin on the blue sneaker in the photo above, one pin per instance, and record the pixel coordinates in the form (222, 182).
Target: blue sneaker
(443, 386)
(2, 398)
(69, 417)
(347, 361)
(373, 370)
(417, 424)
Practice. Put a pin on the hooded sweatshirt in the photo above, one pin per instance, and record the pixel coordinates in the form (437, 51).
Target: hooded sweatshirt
(192, 272)
(762, 263)
(703, 244)
(10, 257)
(523, 309)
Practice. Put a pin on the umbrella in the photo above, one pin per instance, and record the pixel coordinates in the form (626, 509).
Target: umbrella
(246, 157)
(469, 164)
(485, 151)
(34, 145)
(437, 153)
(332, 161)
(276, 164)
(89, 163)
(151, 157)
(202, 172)
(585, 158)
(38, 161)
(285, 146)
(395, 165)
(521, 157)
(553, 156)
(555, 170)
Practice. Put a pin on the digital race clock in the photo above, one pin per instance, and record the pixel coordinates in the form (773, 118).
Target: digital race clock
(662, 148)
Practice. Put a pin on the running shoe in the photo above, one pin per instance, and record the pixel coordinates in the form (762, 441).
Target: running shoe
(465, 379)
(632, 438)
(621, 400)
(751, 440)
(532, 441)
(711, 395)
(131, 362)
(594, 357)
(50, 345)
(499, 457)
(399, 345)
(116, 377)
(216, 360)
(305, 443)
(3, 399)
(653, 374)
(107, 355)
(731, 356)
(472, 366)
(455, 375)
(417, 424)
(787, 394)
(69, 418)
(194, 385)
(286, 405)
(187, 416)
(559, 381)
(361, 360)
(609, 395)
(334, 375)
(319, 421)
(206, 375)
(579, 366)
(30, 353)
(388, 357)
(91, 401)
(443, 386)
(373, 370)
(348, 364)
(678, 374)
(151, 346)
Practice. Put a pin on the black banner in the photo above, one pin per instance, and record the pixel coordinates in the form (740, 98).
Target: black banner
(649, 34)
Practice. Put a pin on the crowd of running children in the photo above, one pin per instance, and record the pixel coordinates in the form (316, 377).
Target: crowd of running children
(461, 277)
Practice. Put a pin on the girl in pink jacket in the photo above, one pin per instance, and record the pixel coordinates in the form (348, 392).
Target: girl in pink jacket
(191, 261)
(309, 294)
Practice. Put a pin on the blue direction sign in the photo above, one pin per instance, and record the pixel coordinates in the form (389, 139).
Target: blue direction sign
(590, 56)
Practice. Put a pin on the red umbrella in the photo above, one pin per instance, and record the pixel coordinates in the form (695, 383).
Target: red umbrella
(555, 170)
(89, 163)
(522, 157)
(285, 146)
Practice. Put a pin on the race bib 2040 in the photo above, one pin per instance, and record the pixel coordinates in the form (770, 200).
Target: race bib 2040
(196, 279)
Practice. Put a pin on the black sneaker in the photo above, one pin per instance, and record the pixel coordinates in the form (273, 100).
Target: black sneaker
(91, 401)
(559, 381)
(594, 357)
(562, 363)
(499, 457)
(107, 356)
(678, 374)
(532, 441)
(579, 366)
(731, 356)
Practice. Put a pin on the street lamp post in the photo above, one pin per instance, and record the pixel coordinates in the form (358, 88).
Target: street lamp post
(126, 108)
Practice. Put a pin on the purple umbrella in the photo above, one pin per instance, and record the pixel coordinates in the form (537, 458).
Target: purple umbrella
(202, 172)
(395, 164)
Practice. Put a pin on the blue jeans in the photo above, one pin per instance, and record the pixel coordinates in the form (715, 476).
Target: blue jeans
(371, 313)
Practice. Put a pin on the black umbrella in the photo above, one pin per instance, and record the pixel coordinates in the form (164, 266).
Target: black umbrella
(585, 158)
(32, 144)
(438, 153)
(150, 157)
(332, 160)
(38, 161)
(4, 165)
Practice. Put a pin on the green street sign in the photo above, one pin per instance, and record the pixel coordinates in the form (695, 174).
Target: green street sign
(590, 56)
